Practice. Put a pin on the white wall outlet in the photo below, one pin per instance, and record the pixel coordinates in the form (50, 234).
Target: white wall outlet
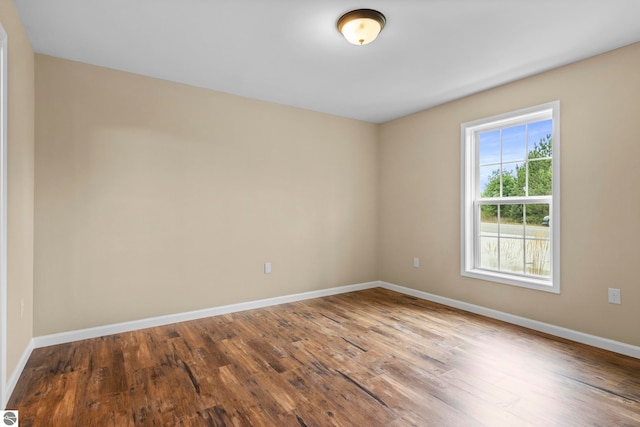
(267, 268)
(615, 296)
(416, 262)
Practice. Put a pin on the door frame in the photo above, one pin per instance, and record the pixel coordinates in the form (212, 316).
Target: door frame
(3, 216)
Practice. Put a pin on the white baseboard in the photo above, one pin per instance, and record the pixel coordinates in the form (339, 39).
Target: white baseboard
(15, 375)
(66, 337)
(99, 331)
(581, 337)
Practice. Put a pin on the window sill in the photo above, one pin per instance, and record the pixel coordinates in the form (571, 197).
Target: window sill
(508, 279)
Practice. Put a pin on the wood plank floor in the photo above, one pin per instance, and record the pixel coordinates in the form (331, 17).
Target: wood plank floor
(368, 358)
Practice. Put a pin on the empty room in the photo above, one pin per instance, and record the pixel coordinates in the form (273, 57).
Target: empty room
(336, 213)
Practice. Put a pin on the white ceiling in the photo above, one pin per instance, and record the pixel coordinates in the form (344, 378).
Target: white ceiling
(289, 51)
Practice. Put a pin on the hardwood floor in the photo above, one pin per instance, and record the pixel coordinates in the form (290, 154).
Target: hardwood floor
(368, 358)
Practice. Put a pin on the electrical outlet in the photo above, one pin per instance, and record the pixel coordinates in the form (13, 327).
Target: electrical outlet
(416, 262)
(267, 268)
(615, 296)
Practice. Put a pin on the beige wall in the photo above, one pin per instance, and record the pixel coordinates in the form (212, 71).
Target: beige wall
(155, 198)
(600, 199)
(20, 175)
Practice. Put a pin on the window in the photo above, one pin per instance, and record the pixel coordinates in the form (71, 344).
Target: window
(510, 198)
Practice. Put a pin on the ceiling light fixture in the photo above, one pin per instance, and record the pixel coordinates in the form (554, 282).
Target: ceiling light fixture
(361, 26)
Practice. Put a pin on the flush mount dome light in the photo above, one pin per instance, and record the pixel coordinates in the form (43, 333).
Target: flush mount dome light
(361, 26)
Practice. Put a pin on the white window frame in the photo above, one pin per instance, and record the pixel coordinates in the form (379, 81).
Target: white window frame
(470, 191)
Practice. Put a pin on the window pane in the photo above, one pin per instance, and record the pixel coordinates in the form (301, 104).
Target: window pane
(540, 178)
(538, 220)
(514, 143)
(540, 139)
(512, 230)
(513, 181)
(489, 252)
(489, 220)
(511, 255)
(511, 214)
(539, 257)
(490, 147)
(490, 181)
